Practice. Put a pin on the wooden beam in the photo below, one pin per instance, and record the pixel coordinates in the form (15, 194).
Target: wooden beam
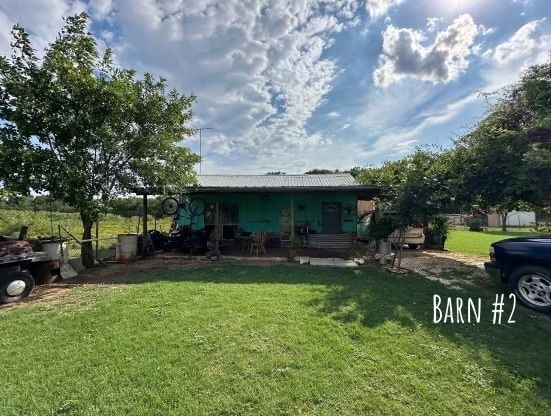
(217, 225)
(144, 219)
(292, 218)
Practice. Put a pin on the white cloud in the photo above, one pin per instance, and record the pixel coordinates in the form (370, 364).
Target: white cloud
(523, 45)
(529, 45)
(42, 19)
(434, 23)
(100, 8)
(258, 68)
(484, 30)
(404, 54)
(333, 114)
(378, 8)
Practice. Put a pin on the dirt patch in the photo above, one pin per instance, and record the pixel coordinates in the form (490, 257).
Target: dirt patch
(112, 275)
(120, 275)
(451, 269)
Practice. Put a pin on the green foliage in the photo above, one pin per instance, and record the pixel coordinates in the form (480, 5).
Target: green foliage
(84, 131)
(413, 187)
(475, 224)
(129, 207)
(44, 223)
(354, 171)
(381, 226)
(504, 163)
(441, 226)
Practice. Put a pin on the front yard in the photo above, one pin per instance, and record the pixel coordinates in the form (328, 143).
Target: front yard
(230, 339)
(477, 243)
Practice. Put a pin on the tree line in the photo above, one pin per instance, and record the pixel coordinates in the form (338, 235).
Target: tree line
(502, 164)
(124, 206)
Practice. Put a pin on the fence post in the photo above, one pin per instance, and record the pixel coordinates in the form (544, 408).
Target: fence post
(97, 236)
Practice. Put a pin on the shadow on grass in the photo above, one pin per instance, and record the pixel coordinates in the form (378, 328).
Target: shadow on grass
(371, 298)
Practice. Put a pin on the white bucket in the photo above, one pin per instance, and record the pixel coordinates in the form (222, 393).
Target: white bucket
(53, 249)
(127, 248)
(384, 247)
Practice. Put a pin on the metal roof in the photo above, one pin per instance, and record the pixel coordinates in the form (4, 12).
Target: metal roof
(277, 181)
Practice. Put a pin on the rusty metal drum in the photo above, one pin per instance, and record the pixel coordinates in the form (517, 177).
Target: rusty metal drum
(127, 248)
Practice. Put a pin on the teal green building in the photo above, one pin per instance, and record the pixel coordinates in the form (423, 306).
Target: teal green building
(277, 204)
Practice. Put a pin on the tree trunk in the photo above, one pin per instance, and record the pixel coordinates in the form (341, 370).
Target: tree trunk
(86, 252)
(504, 221)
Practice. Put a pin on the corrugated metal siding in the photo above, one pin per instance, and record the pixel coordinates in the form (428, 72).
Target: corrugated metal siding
(275, 181)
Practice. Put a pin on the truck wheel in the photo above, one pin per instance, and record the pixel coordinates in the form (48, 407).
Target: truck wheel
(532, 286)
(413, 246)
(15, 286)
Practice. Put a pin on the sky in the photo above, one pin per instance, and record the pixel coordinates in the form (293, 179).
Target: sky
(289, 85)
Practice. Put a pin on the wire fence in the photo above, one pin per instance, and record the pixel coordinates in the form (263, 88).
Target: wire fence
(43, 224)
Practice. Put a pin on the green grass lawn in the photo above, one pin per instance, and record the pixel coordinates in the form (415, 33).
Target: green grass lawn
(269, 340)
(478, 242)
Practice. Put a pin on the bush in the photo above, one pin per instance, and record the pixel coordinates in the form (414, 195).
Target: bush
(441, 226)
(475, 224)
(380, 227)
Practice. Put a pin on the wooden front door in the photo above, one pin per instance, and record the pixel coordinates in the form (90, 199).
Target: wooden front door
(331, 217)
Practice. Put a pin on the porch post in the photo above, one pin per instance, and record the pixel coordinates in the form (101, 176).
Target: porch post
(144, 219)
(217, 225)
(292, 218)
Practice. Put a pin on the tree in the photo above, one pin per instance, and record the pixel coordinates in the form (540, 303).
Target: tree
(354, 171)
(416, 187)
(85, 131)
(504, 163)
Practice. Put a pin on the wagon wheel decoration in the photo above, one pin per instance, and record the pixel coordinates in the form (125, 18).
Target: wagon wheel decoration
(170, 206)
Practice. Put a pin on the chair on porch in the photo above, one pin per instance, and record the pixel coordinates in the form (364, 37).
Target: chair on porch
(284, 239)
(258, 242)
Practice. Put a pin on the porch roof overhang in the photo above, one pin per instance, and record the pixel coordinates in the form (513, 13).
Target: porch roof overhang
(366, 192)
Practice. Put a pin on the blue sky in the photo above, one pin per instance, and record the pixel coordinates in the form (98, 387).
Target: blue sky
(294, 85)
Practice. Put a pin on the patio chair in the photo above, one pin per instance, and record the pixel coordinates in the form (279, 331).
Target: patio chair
(258, 242)
(284, 239)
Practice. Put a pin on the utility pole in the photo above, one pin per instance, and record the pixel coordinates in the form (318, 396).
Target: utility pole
(200, 130)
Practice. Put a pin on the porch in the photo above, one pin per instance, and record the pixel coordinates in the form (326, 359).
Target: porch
(313, 211)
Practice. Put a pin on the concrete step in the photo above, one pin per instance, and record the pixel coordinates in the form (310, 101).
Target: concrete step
(343, 240)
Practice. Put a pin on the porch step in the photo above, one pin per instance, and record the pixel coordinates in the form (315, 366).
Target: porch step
(343, 240)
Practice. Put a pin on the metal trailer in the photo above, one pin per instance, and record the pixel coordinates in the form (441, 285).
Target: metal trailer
(20, 272)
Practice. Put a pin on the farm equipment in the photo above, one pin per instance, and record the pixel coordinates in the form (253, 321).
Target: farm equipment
(20, 269)
(185, 239)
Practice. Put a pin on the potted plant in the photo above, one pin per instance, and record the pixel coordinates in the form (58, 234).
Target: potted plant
(441, 229)
(294, 245)
(380, 227)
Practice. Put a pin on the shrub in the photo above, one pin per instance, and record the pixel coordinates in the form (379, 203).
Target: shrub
(441, 226)
(475, 225)
(380, 227)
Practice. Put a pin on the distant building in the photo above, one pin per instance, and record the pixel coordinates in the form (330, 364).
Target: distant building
(514, 219)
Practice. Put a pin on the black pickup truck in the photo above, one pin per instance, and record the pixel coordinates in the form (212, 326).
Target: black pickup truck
(525, 264)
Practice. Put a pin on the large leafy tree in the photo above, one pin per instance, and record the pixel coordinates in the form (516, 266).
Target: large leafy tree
(416, 187)
(85, 131)
(504, 163)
